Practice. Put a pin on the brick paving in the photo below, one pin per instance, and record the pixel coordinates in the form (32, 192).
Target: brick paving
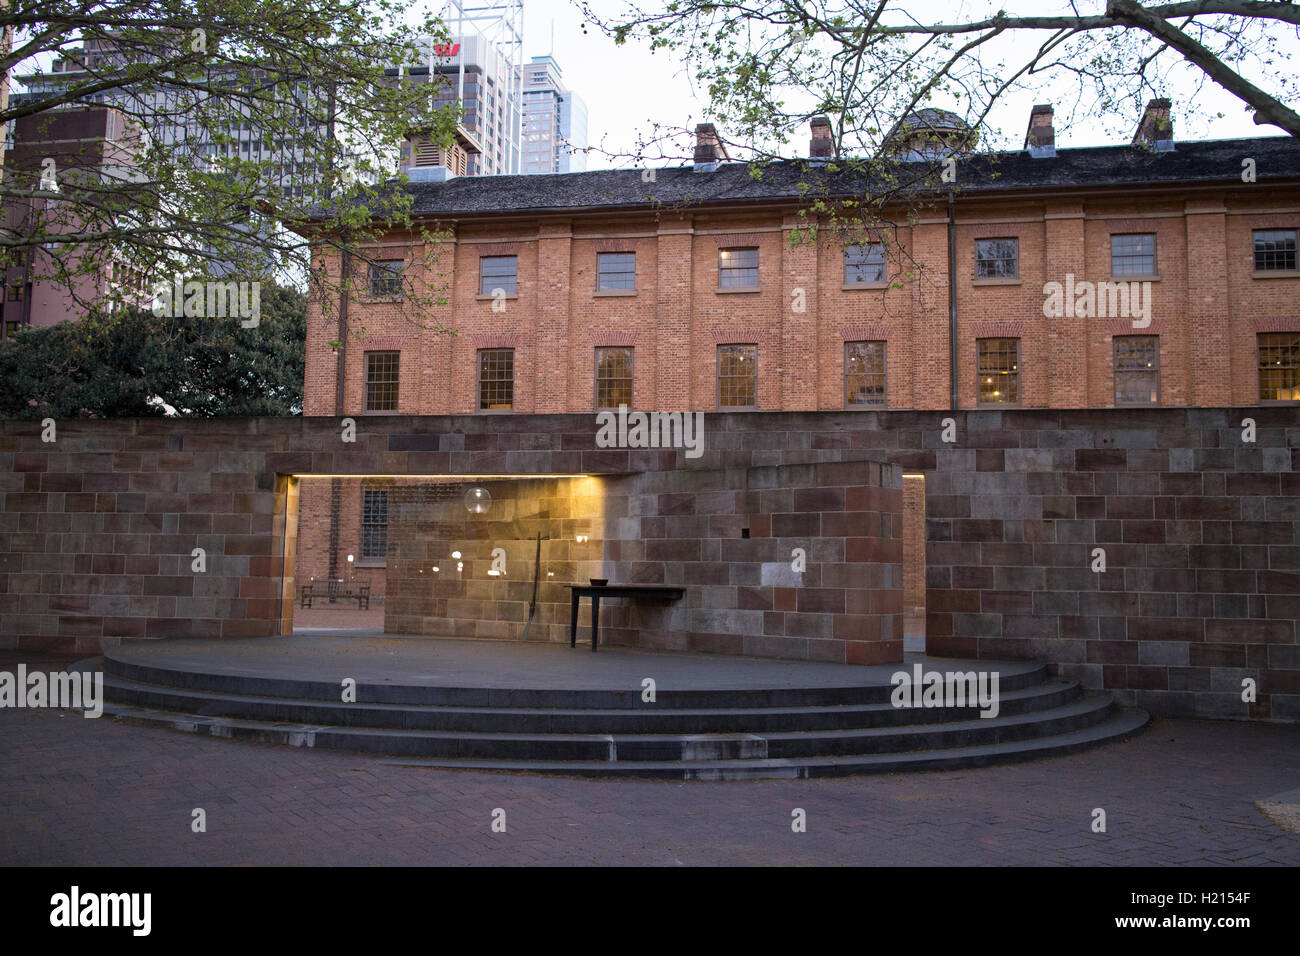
(95, 792)
(322, 615)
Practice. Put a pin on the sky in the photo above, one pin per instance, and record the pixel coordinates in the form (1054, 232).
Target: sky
(628, 89)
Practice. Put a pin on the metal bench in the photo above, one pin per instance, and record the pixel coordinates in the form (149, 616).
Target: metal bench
(334, 590)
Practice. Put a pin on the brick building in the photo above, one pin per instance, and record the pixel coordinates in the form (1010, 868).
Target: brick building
(1151, 274)
(54, 150)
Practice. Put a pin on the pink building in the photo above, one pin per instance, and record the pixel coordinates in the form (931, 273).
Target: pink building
(61, 146)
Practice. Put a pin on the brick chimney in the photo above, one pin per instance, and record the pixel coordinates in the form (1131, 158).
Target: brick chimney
(1040, 137)
(1156, 128)
(822, 146)
(709, 150)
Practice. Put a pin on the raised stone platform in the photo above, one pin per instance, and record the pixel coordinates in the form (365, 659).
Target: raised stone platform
(547, 708)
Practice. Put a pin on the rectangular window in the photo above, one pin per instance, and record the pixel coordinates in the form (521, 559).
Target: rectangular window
(1137, 370)
(498, 272)
(381, 381)
(1279, 366)
(999, 371)
(864, 373)
(737, 376)
(496, 379)
(374, 523)
(1133, 255)
(997, 258)
(613, 377)
(15, 293)
(615, 271)
(1275, 250)
(738, 268)
(386, 278)
(864, 265)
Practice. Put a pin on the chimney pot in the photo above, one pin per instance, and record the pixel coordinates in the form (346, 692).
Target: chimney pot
(708, 149)
(822, 146)
(1041, 132)
(1156, 126)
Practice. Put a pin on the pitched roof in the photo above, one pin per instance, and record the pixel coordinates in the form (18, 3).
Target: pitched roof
(1207, 161)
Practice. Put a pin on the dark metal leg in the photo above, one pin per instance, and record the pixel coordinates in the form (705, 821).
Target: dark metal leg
(595, 621)
(573, 621)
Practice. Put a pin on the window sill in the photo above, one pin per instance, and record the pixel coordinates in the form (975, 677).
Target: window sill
(372, 563)
(855, 286)
(864, 407)
(1279, 401)
(1276, 274)
(997, 282)
(613, 293)
(494, 411)
(737, 408)
(750, 289)
(380, 298)
(1134, 278)
(491, 298)
(372, 412)
(993, 405)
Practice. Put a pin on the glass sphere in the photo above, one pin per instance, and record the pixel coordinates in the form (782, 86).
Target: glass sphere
(478, 500)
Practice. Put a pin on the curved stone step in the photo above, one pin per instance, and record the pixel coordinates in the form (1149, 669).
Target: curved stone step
(650, 719)
(761, 722)
(639, 748)
(1016, 675)
(1119, 726)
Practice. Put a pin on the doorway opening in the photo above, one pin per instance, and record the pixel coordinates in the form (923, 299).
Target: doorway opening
(443, 555)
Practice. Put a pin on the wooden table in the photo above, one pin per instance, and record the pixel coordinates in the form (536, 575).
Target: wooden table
(663, 592)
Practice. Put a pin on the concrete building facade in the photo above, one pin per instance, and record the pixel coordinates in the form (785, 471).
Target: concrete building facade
(555, 121)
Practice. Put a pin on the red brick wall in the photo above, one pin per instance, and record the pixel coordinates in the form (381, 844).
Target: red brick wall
(314, 535)
(1207, 307)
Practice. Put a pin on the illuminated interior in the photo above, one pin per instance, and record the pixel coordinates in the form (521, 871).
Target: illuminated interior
(483, 556)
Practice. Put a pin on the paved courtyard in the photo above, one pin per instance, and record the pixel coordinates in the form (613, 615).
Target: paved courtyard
(95, 792)
(324, 616)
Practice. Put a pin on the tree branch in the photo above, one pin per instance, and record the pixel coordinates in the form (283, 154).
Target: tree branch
(1268, 109)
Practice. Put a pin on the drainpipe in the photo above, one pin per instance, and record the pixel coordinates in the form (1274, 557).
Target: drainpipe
(29, 287)
(345, 265)
(952, 297)
(336, 485)
(345, 275)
